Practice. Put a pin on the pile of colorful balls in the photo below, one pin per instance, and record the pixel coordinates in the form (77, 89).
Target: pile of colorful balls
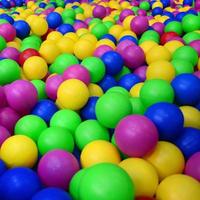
(100, 100)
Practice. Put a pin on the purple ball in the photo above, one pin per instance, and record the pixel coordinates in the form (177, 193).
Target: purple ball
(88, 20)
(4, 134)
(133, 56)
(136, 135)
(99, 12)
(141, 12)
(79, 25)
(21, 96)
(52, 85)
(101, 50)
(197, 5)
(125, 13)
(78, 72)
(10, 53)
(8, 32)
(197, 74)
(177, 38)
(56, 168)
(196, 45)
(158, 27)
(139, 24)
(193, 166)
(3, 101)
(141, 72)
(8, 118)
(123, 45)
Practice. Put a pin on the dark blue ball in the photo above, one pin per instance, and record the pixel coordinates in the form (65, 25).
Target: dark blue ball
(168, 21)
(54, 20)
(110, 37)
(169, 14)
(88, 112)
(187, 2)
(128, 81)
(19, 184)
(168, 119)
(51, 194)
(7, 18)
(180, 16)
(113, 62)
(107, 82)
(157, 11)
(19, 3)
(165, 3)
(187, 89)
(129, 37)
(3, 167)
(45, 109)
(189, 141)
(192, 12)
(198, 106)
(22, 28)
(6, 4)
(65, 28)
(42, 5)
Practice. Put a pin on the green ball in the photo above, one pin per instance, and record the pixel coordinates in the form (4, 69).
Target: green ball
(106, 181)
(189, 37)
(135, 9)
(148, 38)
(137, 106)
(9, 71)
(2, 43)
(120, 90)
(40, 87)
(145, 5)
(30, 126)
(30, 45)
(124, 71)
(67, 119)
(32, 39)
(190, 23)
(95, 21)
(68, 21)
(156, 90)
(62, 62)
(151, 34)
(186, 53)
(99, 30)
(182, 66)
(88, 131)
(111, 108)
(79, 10)
(68, 13)
(108, 24)
(95, 67)
(116, 17)
(55, 138)
(3, 21)
(174, 26)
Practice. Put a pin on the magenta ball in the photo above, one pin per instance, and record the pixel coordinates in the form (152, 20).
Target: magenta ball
(4, 134)
(8, 32)
(52, 84)
(141, 12)
(10, 53)
(99, 12)
(56, 168)
(141, 72)
(158, 27)
(21, 96)
(133, 56)
(193, 166)
(125, 13)
(136, 135)
(197, 5)
(122, 45)
(99, 51)
(139, 24)
(8, 118)
(79, 25)
(197, 74)
(196, 45)
(3, 101)
(177, 38)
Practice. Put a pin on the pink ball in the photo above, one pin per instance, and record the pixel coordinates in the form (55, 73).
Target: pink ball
(139, 24)
(8, 118)
(56, 168)
(141, 72)
(79, 25)
(158, 27)
(4, 134)
(52, 84)
(3, 101)
(125, 13)
(196, 45)
(10, 53)
(122, 45)
(136, 135)
(77, 72)
(99, 12)
(88, 20)
(141, 12)
(197, 74)
(99, 51)
(8, 32)
(21, 96)
(197, 5)
(193, 166)
(133, 56)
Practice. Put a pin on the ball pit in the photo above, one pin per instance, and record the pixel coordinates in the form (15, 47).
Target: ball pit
(99, 99)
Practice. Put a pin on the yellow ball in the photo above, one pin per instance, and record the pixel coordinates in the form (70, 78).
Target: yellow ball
(30, 19)
(106, 42)
(72, 36)
(157, 53)
(191, 116)
(147, 45)
(49, 51)
(13, 44)
(99, 151)
(90, 37)
(19, 151)
(152, 21)
(198, 65)
(108, 18)
(65, 45)
(143, 175)
(35, 67)
(80, 16)
(173, 45)
(95, 90)
(116, 30)
(125, 4)
(178, 187)
(83, 49)
(127, 22)
(54, 36)
(157, 4)
(135, 90)
(160, 70)
(81, 31)
(167, 159)
(59, 10)
(73, 94)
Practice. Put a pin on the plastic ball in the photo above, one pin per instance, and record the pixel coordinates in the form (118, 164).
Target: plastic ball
(145, 5)
(19, 184)
(95, 90)
(178, 186)
(125, 13)
(3, 167)
(40, 87)
(172, 45)
(65, 45)
(54, 36)
(4, 134)
(167, 37)
(141, 72)
(73, 94)
(99, 12)
(107, 82)
(56, 168)
(137, 169)
(22, 28)
(190, 23)
(147, 45)
(10, 53)
(8, 32)
(99, 30)
(54, 20)
(99, 51)
(2, 43)
(182, 67)
(65, 28)
(39, 26)
(139, 24)
(19, 151)
(137, 106)
(190, 37)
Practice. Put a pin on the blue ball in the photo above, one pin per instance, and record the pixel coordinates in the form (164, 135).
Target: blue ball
(189, 141)
(110, 37)
(22, 28)
(19, 3)
(192, 12)
(168, 119)
(42, 5)
(113, 62)
(3, 167)
(168, 21)
(88, 112)
(19, 184)
(165, 3)
(198, 106)
(187, 2)
(45, 109)
(7, 18)
(107, 82)
(129, 37)
(51, 194)
(157, 11)
(65, 28)
(169, 14)
(187, 89)
(180, 16)
(128, 81)
(6, 4)
(54, 20)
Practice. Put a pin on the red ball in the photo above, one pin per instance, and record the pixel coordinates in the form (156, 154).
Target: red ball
(27, 54)
(144, 198)
(44, 37)
(167, 36)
